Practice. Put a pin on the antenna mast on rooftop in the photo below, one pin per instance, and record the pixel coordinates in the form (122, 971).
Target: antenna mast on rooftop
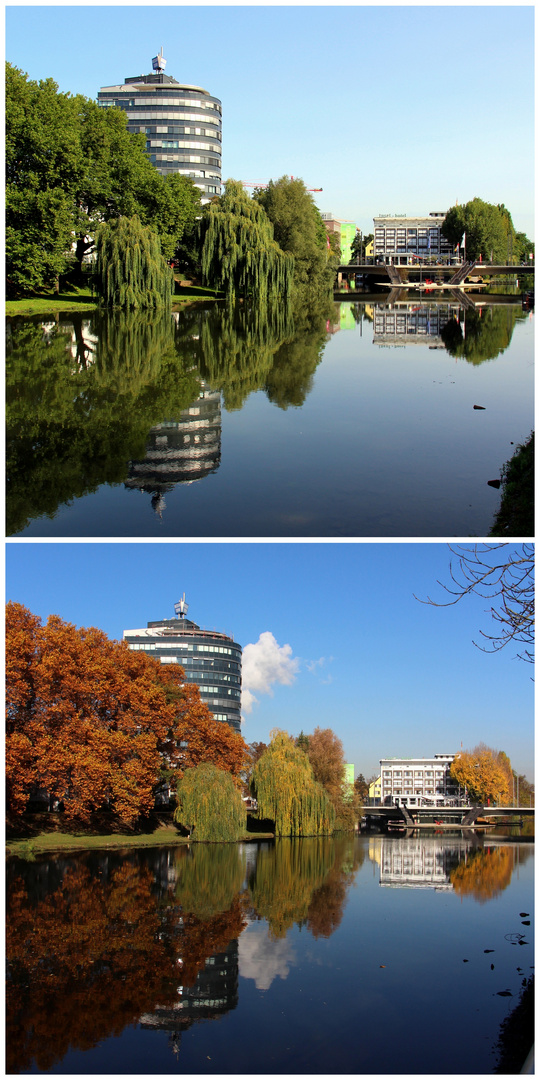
(158, 63)
(181, 608)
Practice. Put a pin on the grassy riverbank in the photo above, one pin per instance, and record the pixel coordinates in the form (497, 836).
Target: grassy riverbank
(41, 834)
(69, 300)
(84, 300)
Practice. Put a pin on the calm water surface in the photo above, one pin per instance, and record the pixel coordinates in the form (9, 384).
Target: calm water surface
(368, 955)
(359, 421)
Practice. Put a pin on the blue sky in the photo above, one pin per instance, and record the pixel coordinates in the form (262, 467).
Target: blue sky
(389, 675)
(390, 109)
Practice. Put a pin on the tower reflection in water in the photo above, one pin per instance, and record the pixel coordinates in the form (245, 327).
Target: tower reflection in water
(180, 451)
(214, 993)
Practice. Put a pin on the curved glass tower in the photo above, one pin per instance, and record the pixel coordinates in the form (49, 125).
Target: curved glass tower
(211, 660)
(182, 124)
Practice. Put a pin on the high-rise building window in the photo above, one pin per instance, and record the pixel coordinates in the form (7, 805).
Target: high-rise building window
(161, 98)
(210, 659)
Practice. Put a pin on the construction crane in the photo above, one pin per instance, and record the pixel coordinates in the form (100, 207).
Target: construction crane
(265, 183)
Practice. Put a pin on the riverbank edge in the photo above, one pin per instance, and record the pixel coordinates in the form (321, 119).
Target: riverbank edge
(62, 843)
(82, 300)
(515, 516)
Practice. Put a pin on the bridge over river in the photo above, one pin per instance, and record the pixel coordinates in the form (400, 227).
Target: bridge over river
(463, 817)
(447, 274)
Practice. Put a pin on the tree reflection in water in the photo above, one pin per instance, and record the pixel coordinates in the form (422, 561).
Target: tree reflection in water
(246, 348)
(484, 873)
(85, 393)
(104, 946)
(81, 397)
(488, 333)
(101, 941)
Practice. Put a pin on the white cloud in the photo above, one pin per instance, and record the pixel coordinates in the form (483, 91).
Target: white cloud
(314, 666)
(265, 664)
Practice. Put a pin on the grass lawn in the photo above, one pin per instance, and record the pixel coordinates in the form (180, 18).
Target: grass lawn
(77, 300)
(43, 833)
(84, 300)
(59, 841)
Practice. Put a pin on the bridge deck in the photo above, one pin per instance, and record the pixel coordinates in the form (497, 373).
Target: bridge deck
(425, 268)
(446, 816)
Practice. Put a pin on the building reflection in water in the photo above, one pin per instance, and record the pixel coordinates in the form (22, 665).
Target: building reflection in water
(413, 323)
(414, 862)
(180, 451)
(214, 993)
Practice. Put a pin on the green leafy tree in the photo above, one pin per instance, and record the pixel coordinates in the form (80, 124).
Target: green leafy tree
(359, 245)
(523, 247)
(130, 269)
(209, 805)
(43, 155)
(287, 793)
(239, 252)
(71, 165)
(117, 180)
(171, 208)
(488, 229)
(39, 228)
(299, 230)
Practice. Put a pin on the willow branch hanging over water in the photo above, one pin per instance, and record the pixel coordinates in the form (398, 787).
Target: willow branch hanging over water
(130, 269)
(239, 253)
(287, 792)
(209, 804)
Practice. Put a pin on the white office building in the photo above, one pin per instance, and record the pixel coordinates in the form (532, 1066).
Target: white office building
(405, 241)
(418, 781)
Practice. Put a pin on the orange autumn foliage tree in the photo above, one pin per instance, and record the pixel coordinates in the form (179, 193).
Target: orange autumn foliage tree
(195, 737)
(92, 722)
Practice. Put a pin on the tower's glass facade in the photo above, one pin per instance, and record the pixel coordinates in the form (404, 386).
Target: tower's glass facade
(211, 660)
(182, 125)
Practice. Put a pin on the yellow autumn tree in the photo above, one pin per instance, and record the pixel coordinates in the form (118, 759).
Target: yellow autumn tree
(209, 804)
(287, 792)
(485, 773)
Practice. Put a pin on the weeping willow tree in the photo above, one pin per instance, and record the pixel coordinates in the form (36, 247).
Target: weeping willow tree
(287, 792)
(239, 253)
(130, 270)
(209, 805)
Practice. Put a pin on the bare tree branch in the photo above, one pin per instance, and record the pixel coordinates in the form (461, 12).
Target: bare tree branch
(500, 572)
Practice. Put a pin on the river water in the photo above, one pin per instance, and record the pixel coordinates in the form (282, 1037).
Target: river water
(374, 954)
(362, 420)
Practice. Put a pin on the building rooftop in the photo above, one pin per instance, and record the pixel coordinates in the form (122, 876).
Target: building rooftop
(140, 83)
